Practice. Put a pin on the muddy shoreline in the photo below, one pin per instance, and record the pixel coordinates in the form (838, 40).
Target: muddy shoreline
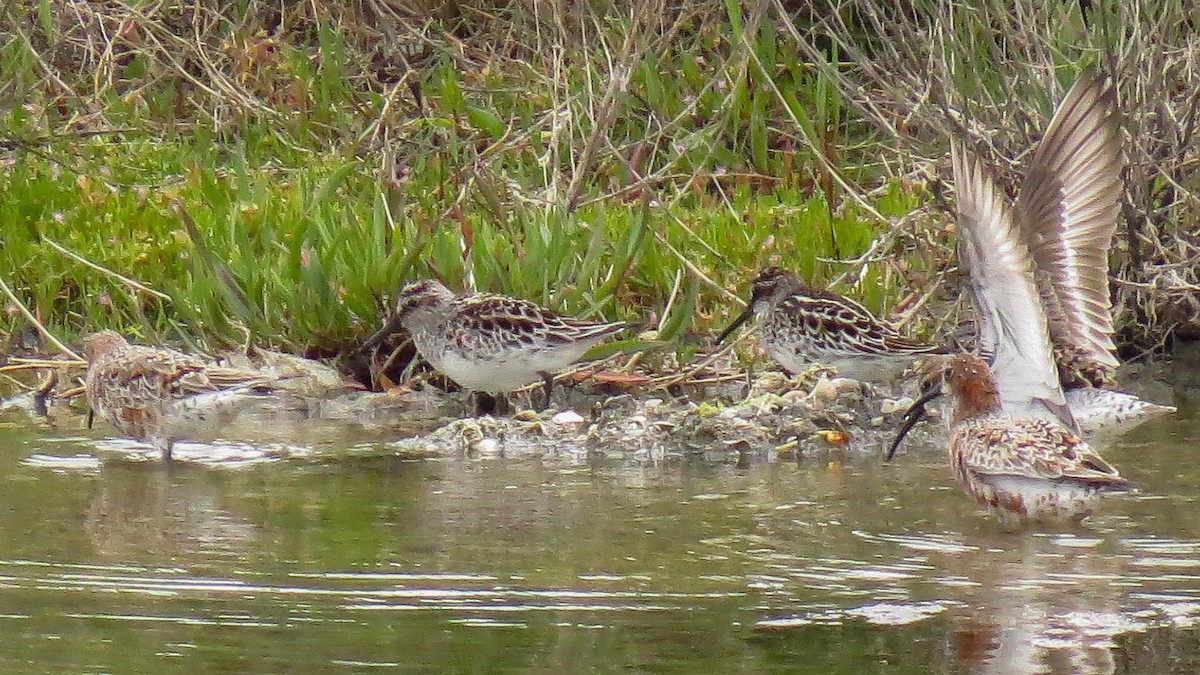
(766, 414)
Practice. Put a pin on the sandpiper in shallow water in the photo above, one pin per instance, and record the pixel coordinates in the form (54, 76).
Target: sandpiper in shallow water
(491, 343)
(801, 325)
(1066, 217)
(1014, 442)
(1019, 467)
(160, 395)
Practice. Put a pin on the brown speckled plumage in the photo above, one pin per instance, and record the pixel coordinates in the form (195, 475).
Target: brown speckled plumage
(491, 343)
(144, 392)
(1078, 369)
(802, 324)
(1019, 467)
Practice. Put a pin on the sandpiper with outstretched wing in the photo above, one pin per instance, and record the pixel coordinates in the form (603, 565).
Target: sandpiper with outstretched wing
(1066, 215)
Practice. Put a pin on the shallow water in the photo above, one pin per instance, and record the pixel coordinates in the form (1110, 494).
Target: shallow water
(344, 556)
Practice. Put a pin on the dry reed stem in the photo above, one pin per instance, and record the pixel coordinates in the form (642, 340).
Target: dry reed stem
(989, 73)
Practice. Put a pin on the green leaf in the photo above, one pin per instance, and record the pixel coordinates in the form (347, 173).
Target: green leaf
(487, 120)
(46, 17)
(452, 96)
(630, 346)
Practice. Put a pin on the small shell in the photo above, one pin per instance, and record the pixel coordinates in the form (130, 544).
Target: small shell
(794, 396)
(568, 418)
(834, 436)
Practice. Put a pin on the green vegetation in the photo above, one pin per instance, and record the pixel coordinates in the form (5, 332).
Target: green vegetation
(625, 164)
(280, 175)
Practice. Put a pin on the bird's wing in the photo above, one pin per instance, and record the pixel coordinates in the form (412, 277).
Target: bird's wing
(1041, 450)
(1012, 322)
(523, 319)
(1067, 216)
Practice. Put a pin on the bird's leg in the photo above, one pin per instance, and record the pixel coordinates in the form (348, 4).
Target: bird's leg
(548, 382)
(166, 451)
(482, 404)
(41, 395)
(489, 404)
(91, 418)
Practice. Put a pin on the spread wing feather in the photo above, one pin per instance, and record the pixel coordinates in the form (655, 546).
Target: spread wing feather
(1067, 215)
(1012, 323)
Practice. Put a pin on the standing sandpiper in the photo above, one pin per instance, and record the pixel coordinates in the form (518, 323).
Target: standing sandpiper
(160, 395)
(1019, 467)
(802, 324)
(490, 343)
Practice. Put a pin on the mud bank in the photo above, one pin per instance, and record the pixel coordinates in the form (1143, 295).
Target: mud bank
(762, 416)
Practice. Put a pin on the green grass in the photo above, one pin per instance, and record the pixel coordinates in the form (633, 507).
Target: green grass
(312, 252)
(297, 202)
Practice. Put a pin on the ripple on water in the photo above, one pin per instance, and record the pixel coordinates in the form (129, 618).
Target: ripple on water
(64, 463)
(475, 599)
(1098, 627)
(231, 454)
(925, 541)
(1073, 541)
(394, 576)
(877, 613)
(484, 622)
(1180, 614)
(1169, 547)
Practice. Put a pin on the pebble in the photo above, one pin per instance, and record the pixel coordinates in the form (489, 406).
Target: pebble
(890, 406)
(829, 390)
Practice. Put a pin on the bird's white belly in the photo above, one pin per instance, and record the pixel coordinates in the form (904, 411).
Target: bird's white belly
(863, 367)
(870, 368)
(204, 417)
(1025, 497)
(790, 359)
(1101, 415)
(506, 371)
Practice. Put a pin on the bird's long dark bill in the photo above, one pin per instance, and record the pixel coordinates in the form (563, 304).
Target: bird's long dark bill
(911, 417)
(742, 318)
(392, 326)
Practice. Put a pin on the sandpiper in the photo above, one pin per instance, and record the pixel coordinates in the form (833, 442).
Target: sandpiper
(1022, 467)
(159, 395)
(490, 343)
(802, 324)
(1066, 217)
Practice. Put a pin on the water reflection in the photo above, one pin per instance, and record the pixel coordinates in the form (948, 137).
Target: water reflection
(817, 562)
(1042, 606)
(1014, 601)
(143, 513)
